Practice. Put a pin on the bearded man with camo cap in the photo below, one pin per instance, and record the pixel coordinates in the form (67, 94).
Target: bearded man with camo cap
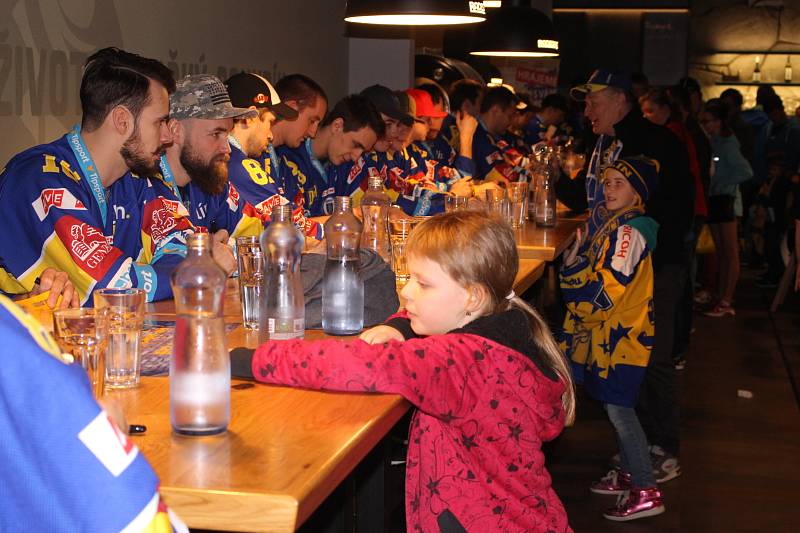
(194, 169)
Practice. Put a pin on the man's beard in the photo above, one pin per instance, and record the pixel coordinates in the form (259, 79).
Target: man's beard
(211, 176)
(135, 158)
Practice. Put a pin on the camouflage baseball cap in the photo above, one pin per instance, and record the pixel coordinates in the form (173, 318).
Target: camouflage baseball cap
(204, 96)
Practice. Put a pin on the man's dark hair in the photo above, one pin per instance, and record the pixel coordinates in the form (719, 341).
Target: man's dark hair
(301, 89)
(356, 112)
(733, 96)
(556, 101)
(772, 103)
(763, 93)
(463, 91)
(115, 77)
(498, 96)
(719, 110)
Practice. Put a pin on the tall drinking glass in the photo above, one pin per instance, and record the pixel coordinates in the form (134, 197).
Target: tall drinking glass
(251, 266)
(83, 333)
(399, 231)
(125, 314)
(518, 197)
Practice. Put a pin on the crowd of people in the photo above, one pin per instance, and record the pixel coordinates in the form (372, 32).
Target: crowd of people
(111, 203)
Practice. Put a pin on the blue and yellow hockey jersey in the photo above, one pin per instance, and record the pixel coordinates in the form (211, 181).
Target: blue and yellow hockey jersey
(608, 331)
(213, 212)
(495, 159)
(262, 183)
(309, 178)
(412, 178)
(51, 219)
(65, 465)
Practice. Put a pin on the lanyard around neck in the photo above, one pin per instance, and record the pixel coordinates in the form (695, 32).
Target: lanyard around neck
(169, 177)
(89, 170)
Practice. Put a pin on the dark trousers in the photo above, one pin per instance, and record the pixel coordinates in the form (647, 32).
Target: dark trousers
(684, 311)
(658, 407)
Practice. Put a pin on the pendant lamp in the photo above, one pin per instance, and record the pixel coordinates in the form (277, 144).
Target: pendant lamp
(414, 12)
(515, 30)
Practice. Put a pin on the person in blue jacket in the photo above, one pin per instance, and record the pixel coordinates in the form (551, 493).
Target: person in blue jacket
(83, 204)
(65, 463)
(312, 169)
(729, 169)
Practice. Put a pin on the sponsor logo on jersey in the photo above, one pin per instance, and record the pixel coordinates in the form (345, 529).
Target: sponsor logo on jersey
(265, 208)
(233, 197)
(163, 217)
(627, 250)
(355, 170)
(88, 247)
(58, 198)
(108, 444)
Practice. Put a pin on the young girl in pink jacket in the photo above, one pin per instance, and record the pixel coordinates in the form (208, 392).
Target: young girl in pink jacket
(482, 369)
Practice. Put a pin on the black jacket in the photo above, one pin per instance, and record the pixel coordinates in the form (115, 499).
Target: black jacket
(671, 205)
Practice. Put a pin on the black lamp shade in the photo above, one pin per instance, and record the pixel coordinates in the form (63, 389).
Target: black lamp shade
(414, 12)
(515, 31)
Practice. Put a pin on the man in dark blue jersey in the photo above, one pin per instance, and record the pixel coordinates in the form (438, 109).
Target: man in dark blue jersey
(83, 204)
(350, 128)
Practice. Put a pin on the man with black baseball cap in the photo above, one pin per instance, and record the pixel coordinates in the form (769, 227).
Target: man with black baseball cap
(195, 167)
(624, 132)
(254, 167)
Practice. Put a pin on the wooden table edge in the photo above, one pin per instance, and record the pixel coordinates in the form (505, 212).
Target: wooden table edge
(277, 512)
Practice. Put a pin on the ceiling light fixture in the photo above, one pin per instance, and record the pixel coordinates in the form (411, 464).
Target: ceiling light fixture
(414, 12)
(515, 30)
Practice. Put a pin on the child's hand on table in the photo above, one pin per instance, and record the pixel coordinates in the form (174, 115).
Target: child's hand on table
(381, 334)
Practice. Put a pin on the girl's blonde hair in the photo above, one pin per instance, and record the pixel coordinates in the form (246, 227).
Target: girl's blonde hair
(478, 250)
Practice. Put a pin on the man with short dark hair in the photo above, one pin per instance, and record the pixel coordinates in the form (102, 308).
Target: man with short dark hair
(463, 101)
(312, 170)
(304, 95)
(494, 159)
(624, 132)
(545, 122)
(75, 204)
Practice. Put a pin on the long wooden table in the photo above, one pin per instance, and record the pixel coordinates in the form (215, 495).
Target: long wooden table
(285, 450)
(546, 244)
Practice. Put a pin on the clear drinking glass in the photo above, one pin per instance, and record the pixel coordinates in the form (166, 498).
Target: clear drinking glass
(125, 309)
(455, 203)
(83, 333)
(399, 231)
(518, 197)
(251, 266)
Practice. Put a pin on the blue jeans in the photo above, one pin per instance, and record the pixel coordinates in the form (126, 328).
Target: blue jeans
(634, 452)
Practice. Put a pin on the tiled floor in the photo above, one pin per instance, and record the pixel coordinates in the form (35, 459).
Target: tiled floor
(740, 457)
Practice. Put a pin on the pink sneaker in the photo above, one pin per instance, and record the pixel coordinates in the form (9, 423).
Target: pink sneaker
(637, 503)
(721, 309)
(615, 482)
